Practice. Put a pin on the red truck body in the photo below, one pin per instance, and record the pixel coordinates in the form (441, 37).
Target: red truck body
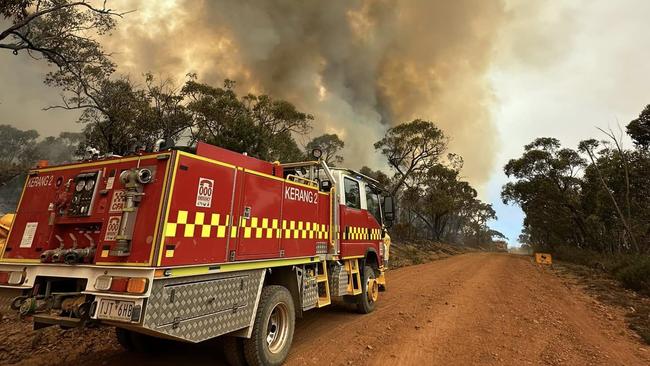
(212, 207)
(182, 245)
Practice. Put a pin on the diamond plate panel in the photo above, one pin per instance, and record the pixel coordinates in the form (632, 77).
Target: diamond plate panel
(339, 281)
(198, 308)
(309, 293)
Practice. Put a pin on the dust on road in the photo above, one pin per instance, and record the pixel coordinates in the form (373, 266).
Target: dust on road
(472, 309)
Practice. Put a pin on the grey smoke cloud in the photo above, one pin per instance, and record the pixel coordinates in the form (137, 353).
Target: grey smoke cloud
(358, 66)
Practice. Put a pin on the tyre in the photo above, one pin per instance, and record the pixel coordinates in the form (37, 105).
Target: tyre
(369, 292)
(273, 328)
(233, 351)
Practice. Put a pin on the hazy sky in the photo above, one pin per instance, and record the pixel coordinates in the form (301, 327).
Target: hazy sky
(562, 71)
(493, 75)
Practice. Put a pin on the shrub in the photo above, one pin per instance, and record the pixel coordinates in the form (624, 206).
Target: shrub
(633, 271)
(636, 275)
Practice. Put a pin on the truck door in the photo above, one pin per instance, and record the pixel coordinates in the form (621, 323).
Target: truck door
(354, 217)
(196, 230)
(259, 213)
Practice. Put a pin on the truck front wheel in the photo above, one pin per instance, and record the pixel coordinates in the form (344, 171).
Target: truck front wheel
(273, 328)
(369, 291)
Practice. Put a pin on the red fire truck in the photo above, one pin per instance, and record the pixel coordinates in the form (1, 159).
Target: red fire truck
(192, 246)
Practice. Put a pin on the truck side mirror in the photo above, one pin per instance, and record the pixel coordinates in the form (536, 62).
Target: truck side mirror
(389, 210)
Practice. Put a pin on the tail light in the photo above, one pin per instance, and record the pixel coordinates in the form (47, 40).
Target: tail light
(119, 284)
(103, 283)
(132, 285)
(136, 285)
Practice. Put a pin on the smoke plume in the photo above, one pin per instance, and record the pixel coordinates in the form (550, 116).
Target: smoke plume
(360, 66)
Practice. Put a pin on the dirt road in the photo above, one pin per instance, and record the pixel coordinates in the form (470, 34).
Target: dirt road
(473, 309)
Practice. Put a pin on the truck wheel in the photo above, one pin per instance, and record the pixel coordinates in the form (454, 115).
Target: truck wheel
(369, 292)
(233, 350)
(273, 328)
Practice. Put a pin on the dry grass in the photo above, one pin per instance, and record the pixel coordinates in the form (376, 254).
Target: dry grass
(406, 253)
(609, 291)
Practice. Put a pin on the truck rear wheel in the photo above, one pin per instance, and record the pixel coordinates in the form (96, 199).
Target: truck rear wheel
(273, 328)
(369, 292)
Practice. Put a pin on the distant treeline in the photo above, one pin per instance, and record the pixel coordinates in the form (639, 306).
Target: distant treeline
(588, 201)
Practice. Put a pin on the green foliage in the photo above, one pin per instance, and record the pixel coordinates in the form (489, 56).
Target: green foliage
(548, 190)
(121, 117)
(632, 270)
(588, 206)
(636, 275)
(16, 146)
(61, 149)
(258, 125)
(56, 30)
(16, 151)
(412, 148)
(437, 204)
(378, 175)
(639, 129)
(116, 119)
(19, 150)
(331, 146)
(61, 32)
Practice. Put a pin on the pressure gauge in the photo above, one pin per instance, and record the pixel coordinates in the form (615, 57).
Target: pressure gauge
(90, 184)
(80, 185)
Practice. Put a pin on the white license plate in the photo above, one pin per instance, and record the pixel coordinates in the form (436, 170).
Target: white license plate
(115, 309)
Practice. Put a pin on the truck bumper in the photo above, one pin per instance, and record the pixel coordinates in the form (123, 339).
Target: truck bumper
(188, 308)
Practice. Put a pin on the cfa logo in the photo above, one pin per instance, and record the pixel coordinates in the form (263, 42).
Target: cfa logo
(204, 194)
(112, 228)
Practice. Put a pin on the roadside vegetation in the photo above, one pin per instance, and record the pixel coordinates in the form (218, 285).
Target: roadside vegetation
(609, 291)
(407, 253)
(590, 207)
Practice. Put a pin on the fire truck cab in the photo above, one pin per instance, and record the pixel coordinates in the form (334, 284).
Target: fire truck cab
(192, 246)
